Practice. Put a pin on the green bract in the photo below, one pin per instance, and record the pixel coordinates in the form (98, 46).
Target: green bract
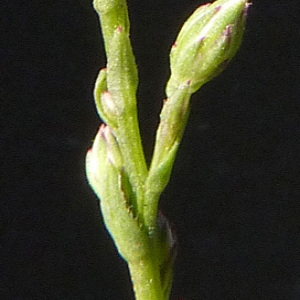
(206, 43)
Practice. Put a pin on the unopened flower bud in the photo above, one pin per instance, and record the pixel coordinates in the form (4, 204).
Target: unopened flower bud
(206, 43)
(107, 177)
(113, 151)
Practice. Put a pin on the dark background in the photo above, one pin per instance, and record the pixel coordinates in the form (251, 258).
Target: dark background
(234, 195)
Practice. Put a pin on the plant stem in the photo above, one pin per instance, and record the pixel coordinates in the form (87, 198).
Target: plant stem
(173, 119)
(116, 166)
(131, 146)
(145, 278)
(122, 82)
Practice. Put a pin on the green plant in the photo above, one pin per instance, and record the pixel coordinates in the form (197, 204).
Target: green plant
(128, 190)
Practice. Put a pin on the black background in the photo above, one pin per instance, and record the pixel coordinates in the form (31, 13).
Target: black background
(234, 195)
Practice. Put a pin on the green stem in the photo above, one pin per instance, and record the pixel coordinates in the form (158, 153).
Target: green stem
(130, 144)
(122, 82)
(116, 165)
(145, 278)
(173, 119)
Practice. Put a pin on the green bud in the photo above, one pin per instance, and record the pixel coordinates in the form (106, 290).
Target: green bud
(105, 105)
(113, 151)
(105, 153)
(108, 103)
(206, 43)
(96, 163)
(106, 176)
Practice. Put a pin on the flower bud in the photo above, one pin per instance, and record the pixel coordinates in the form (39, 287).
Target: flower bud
(109, 180)
(113, 151)
(105, 104)
(206, 43)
